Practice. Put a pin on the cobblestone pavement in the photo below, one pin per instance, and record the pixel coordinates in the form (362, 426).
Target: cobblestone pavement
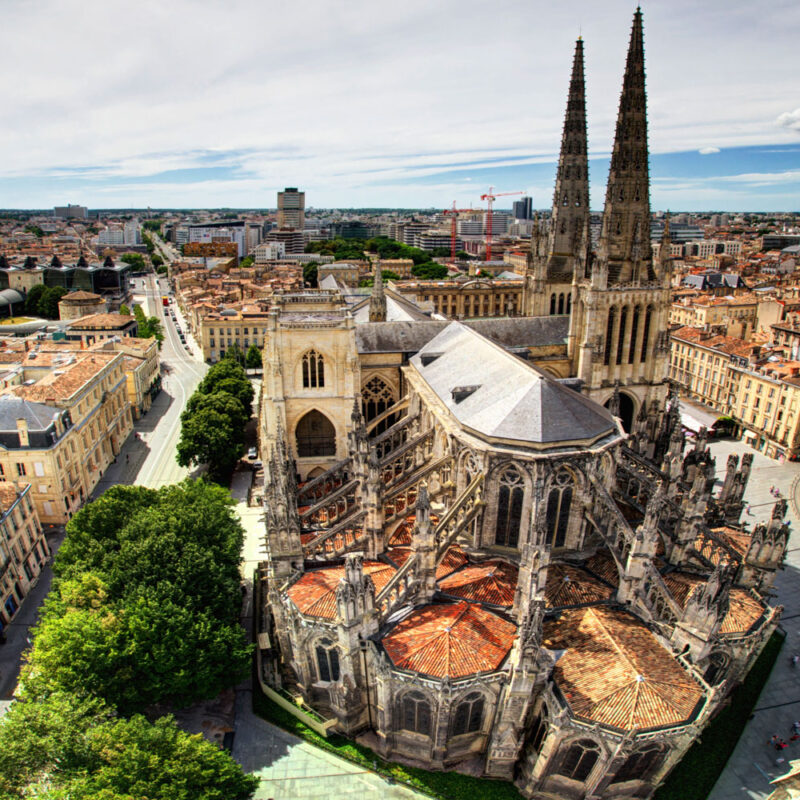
(753, 763)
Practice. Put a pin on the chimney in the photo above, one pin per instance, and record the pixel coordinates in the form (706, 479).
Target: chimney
(22, 430)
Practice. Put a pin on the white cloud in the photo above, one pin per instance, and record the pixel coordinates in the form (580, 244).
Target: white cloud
(707, 151)
(344, 98)
(790, 119)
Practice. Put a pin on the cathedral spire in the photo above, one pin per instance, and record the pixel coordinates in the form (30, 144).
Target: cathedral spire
(624, 245)
(571, 195)
(377, 301)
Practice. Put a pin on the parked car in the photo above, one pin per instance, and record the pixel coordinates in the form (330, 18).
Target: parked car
(252, 453)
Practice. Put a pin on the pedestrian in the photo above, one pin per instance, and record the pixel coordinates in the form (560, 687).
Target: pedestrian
(128, 458)
(772, 489)
(796, 726)
(795, 659)
(774, 739)
(747, 511)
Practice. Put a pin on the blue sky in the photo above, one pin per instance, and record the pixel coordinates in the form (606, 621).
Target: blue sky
(207, 103)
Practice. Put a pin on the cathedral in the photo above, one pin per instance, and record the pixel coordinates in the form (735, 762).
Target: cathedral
(489, 548)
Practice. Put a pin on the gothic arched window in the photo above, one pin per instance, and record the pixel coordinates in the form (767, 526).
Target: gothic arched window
(559, 502)
(640, 765)
(569, 304)
(469, 714)
(634, 332)
(561, 303)
(646, 332)
(416, 713)
(552, 304)
(327, 661)
(612, 313)
(509, 508)
(623, 323)
(579, 760)
(313, 370)
(376, 397)
(316, 436)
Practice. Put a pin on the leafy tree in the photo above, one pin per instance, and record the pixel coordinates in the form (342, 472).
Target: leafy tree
(33, 297)
(462, 255)
(123, 309)
(145, 600)
(247, 261)
(234, 352)
(429, 271)
(228, 376)
(49, 300)
(310, 274)
(156, 260)
(148, 327)
(224, 403)
(35, 230)
(253, 359)
(386, 274)
(136, 260)
(209, 437)
(152, 225)
(440, 252)
(70, 746)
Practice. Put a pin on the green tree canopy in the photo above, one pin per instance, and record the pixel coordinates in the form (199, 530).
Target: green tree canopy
(33, 297)
(69, 746)
(253, 359)
(227, 375)
(210, 437)
(310, 272)
(145, 600)
(136, 260)
(156, 260)
(222, 402)
(247, 261)
(49, 300)
(149, 327)
(430, 271)
(235, 353)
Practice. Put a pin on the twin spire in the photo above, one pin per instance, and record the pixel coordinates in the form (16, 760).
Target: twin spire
(624, 247)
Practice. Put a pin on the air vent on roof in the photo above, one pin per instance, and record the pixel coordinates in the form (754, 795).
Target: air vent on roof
(428, 358)
(463, 392)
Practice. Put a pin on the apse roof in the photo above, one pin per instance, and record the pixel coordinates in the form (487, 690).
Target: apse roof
(496, 395)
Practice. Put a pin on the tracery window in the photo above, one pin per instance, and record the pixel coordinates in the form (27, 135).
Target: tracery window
(634, 332)
(559, 502)
(313, 370)
(623, 324)
(469, 714)
(376, 397)
(509, 508)
(552, 304)
(561, 304)
(327, 661)
(579, 760)
(416, 713)
(640, 765)
(646, 332)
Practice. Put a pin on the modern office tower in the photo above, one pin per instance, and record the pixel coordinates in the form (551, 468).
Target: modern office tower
(523, 208)
(70, 212)
(291, 208)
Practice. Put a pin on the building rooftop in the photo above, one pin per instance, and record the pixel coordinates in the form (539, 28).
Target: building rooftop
(493, 582)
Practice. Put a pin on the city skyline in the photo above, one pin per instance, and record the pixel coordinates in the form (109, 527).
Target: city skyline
(374, 106)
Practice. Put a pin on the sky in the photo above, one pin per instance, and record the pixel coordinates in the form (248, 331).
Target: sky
(222, 103)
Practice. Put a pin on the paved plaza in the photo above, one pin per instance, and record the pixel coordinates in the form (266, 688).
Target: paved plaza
(752, 765)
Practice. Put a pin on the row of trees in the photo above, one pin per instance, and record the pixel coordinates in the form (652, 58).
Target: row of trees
(213, 424)
(252, 359)
(344, 249)
(42, 301)
(148, 327)
(143, 612)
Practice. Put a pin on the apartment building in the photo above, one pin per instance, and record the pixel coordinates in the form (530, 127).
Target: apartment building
(702, 311)
(218, 331)
(23, 549)
(62, 430)
(467, 299)
(726, 373)
(142, 370)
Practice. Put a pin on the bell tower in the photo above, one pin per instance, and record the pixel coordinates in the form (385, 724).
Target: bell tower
(618, 329)
(548, 282)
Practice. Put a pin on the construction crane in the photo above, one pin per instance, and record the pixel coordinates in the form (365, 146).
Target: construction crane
(454, 212)
(490, 197)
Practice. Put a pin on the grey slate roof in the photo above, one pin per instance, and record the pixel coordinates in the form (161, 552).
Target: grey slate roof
(411, 337)
(38, 415)
(506, 398)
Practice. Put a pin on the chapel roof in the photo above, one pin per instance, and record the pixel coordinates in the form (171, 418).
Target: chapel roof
(492, 582)
(450, 641)
(571, 586)
(615, 672)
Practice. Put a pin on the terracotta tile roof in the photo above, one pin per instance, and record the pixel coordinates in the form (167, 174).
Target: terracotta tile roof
(62, 384)
(103, 321)
(492, 582)
(315, 593)
(744, 611)
(402, 533)
(708, 548)
(450, 640)
(603, 565)
(725, 344)
(398, 555)
(616, 673)
(738, 540)
(454, 558)
(570, 586)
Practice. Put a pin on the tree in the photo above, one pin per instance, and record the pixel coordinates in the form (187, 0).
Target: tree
(156, 260)
(148, 327)
(210, 437)
(33, 297)
(429, 271)
(49, 300)
(222, 402)
(310, 272)
(71, 746)
(136, 260)
(253, 359)
(145, 600)
(35, 230)
(440, 252)
(234, 352)
(386, 274)
(229, 377)
(123, 309)
(247, 261)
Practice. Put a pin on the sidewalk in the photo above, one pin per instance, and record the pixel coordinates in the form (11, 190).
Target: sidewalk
(752, 764)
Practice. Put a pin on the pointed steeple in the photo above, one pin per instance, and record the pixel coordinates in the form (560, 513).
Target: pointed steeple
(571, 196)
(377, 301)
(624, 246)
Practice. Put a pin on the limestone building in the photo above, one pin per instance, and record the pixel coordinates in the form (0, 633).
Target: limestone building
(487, 549)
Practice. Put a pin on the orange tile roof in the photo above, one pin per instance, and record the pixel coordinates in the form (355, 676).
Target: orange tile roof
(454, 558)
(738, 540)
(450, 640)
(315, 593)
(61, 384)
(492, 582)
(744, 611)
(616, 673)
(603, 565)
(571, 586)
